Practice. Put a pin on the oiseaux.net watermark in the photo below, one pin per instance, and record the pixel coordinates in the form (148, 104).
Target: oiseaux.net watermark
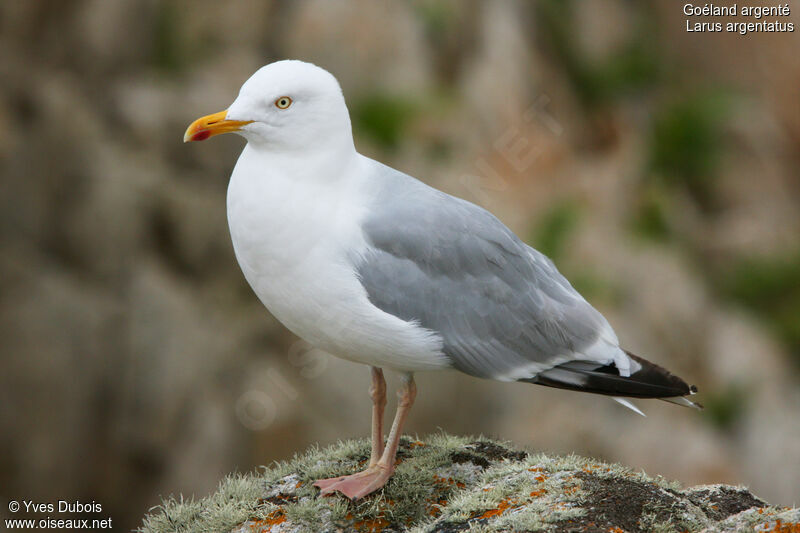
(46, 515)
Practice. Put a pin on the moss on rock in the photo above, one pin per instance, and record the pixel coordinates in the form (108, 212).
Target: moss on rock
(448, 484)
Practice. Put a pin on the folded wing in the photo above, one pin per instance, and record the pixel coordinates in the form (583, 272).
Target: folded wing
(501, 308)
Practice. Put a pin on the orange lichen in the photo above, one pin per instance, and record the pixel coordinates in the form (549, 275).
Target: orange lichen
(272, 519)
(571, 490)
(275, 517)
(415, 444)
(783, 527)
(371, 525)
(560, 506)
(448, 481)
(501, 508)
(540, 478)
(616, 530)
(435, 509)
(538, 493)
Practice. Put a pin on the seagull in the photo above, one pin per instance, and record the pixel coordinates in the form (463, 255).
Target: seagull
(373, 266)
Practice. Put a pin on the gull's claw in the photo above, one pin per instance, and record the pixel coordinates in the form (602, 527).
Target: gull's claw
(358, 485)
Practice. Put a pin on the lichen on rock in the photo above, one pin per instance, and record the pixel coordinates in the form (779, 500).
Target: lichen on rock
(449, 484)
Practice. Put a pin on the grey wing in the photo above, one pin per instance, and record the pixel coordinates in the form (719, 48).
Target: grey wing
(501, 308)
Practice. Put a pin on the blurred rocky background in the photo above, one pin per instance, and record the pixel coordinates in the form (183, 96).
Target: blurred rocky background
(659, 169)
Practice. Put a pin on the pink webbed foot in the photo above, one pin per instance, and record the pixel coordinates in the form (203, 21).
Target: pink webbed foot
(327, 482)
(358, 485)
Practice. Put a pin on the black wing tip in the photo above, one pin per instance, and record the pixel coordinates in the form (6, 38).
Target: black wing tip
(650, 381)
(658, 375)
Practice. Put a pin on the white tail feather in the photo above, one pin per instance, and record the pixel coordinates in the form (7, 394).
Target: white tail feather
(629, 405)
(681, 400)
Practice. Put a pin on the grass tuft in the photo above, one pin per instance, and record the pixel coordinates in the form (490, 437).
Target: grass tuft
(449, 483)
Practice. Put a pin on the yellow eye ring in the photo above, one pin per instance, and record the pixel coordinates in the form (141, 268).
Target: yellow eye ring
(283, 102)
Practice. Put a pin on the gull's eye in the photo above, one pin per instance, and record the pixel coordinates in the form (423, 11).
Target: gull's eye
(283, 102)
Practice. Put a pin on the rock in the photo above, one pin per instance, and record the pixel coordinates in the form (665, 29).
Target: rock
(448, 484)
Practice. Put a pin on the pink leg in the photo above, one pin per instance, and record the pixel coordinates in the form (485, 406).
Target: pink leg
(377, 391)
(358, 485)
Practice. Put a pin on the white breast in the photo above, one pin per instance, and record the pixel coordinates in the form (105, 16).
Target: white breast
(296, 241)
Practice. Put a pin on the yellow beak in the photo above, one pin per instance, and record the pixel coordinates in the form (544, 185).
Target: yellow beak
(210, 125)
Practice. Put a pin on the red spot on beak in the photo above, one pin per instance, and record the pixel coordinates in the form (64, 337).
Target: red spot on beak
(201, 135)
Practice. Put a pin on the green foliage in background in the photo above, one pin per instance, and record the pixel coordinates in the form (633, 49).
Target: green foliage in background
(174, 46)
(632, 67)
(594, 288)
(686, 144)
(383, 117)
(553, 231)
(651, 218)
(725, 406)
(551, 236)
(437, 17)
(168, 52)
(770, 287)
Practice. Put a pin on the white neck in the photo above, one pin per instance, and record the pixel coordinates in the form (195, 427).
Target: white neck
(325, 163)
(282, 207)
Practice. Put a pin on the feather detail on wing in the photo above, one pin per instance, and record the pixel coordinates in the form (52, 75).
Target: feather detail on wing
(501, 308)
